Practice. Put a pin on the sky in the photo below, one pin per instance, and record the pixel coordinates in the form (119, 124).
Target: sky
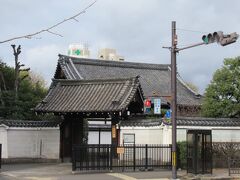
(137, 29)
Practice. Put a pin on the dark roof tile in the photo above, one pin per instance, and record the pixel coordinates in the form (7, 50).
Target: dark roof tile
(202, 121)
(109, 95)
(155, 78)
(30, 124)
(185, 121)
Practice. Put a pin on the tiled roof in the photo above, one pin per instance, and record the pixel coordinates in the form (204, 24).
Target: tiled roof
(99, 126)
(185, 121)
(29, 124)
(201, 121)
(140, 123)
(155, 78)
(109, 95)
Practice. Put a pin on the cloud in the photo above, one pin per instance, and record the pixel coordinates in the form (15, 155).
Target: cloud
(137, 29)
(43, 60)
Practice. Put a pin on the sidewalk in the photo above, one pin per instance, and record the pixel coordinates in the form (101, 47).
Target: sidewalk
(62, 171)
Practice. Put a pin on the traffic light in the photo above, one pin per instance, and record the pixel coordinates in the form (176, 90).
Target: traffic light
(229, 39)
(220, 38)
(147, 103)
(147, 106)
(212, 37)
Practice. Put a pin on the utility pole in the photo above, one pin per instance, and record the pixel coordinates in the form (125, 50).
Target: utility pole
(218, 37)
(174, 98)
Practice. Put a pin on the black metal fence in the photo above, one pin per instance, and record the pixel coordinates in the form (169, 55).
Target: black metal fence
(224, 150)
(0, 156)
(233, 166)
(123, 158)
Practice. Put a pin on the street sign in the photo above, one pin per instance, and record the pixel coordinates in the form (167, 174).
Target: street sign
(168, 114)
(120, 150)
(167, 119)
(157, 106)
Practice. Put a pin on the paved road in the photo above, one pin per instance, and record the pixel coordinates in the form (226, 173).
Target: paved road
(62, 171)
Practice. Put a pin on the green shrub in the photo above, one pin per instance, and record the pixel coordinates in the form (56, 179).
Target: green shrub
(182, 154)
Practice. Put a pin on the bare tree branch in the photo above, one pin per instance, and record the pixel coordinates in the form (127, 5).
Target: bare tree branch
(55, 33)
(29, 36)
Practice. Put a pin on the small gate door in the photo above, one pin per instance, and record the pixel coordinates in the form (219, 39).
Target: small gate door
(199, 151)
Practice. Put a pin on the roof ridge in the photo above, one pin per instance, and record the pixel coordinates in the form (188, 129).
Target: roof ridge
(206, 118)
(126, 64)
(114, 80)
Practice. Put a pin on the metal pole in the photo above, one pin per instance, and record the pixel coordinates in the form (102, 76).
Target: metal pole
(174, 98)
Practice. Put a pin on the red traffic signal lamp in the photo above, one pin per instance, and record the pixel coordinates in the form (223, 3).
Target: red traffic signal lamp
(147, 103)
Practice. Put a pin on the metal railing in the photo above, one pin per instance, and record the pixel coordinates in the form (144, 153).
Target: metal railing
(233, 166)
(0, 156)
(124, 158)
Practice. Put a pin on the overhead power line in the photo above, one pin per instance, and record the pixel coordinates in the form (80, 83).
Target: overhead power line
(190, 30)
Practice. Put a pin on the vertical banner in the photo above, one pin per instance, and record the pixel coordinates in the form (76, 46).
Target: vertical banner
(157, 106)
(114, 131)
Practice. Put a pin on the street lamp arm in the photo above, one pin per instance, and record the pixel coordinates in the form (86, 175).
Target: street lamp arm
(187, 47)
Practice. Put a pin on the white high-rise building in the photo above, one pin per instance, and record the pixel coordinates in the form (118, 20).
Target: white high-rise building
(78, 50)
(109, 54)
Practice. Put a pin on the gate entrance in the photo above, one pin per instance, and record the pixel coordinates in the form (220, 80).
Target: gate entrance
(124, 158)
(199, 151)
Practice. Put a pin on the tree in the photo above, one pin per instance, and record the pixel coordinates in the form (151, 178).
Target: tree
(50, 28)
(30, 93)
(18, 69)
(222, 97)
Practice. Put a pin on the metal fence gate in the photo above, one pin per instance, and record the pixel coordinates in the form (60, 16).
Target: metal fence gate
(123, 158)
(199, 151)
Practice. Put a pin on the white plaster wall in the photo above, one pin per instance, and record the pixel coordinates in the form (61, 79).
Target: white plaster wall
(181, 135)
(3, 141)
(151, 135)
(50, 143)
(106, 137)
(220, 135)
(167, 134)
(93, 137)
(33, 143)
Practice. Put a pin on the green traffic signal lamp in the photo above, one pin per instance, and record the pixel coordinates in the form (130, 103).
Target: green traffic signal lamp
(205, 39)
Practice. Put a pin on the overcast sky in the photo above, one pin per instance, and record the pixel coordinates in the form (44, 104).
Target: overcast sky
(137, 29)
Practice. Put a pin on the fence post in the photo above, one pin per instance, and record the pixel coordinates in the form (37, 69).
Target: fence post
(98, 157)
(73, 158)
(146, 156)
(134, 157)
(229, 166)
(0, 156)
(171, 155)
(111, 156)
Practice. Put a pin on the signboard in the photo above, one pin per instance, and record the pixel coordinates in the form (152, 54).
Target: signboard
(114, 131)
(129, 138)
(157, 106)
(120, 150)
(167, 118)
